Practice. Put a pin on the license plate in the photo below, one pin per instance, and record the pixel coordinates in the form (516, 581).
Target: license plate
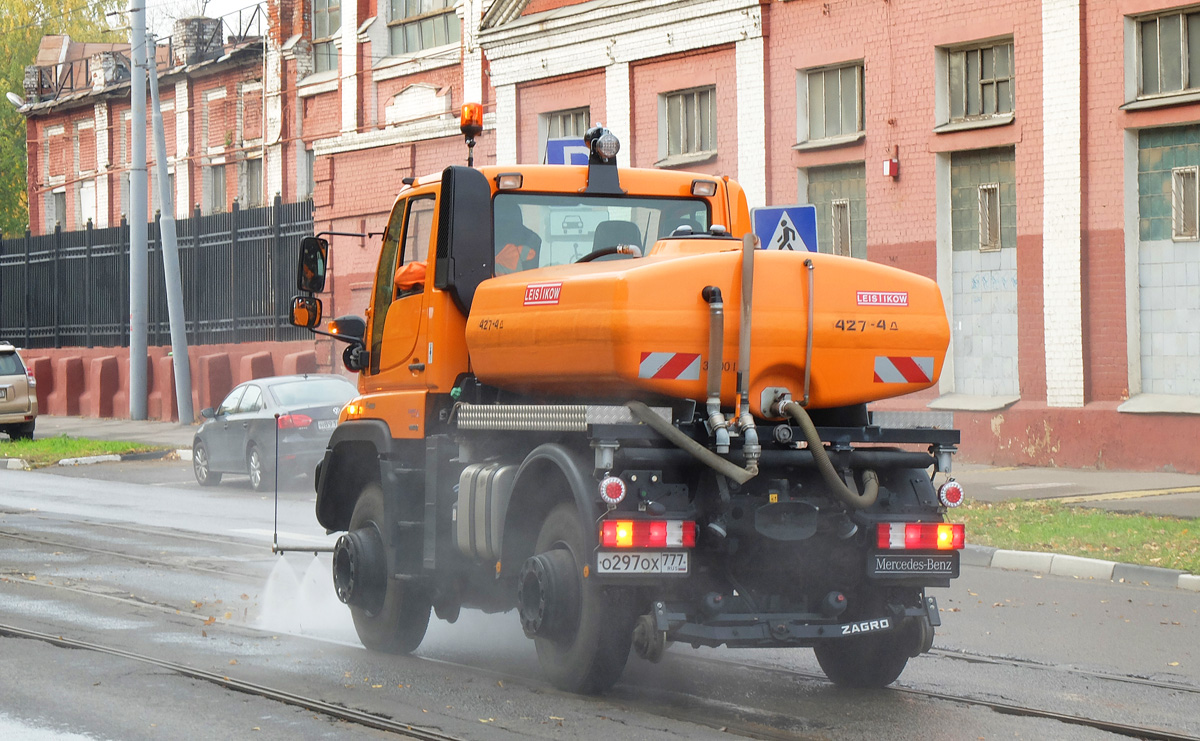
(325, 425)
(884, 564)
(642, 562)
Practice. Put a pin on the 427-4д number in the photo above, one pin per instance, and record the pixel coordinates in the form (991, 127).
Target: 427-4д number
(864, 325)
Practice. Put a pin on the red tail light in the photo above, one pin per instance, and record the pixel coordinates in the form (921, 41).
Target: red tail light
(920, 536)
(648, 534)
(294, 421)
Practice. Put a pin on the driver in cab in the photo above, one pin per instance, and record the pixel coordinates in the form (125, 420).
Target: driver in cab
(516, 244)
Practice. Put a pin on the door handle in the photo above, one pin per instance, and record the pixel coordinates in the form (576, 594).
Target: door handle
(414, 367)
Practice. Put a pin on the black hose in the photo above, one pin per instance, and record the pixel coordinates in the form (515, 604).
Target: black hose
(681, 440)
(825, 466)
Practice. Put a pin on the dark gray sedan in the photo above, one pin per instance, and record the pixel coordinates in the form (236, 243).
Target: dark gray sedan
(297, 413)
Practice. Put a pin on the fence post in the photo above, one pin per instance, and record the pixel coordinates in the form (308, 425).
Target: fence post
(197, 277)
(276, 250)
(87, 285)
(28, 238)
(123, 254)
(155, 316)
(57, 291)
(233, 243)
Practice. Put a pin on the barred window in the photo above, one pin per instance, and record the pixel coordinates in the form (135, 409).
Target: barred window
(417, 25)
(1184, 205)
(841, 226)
(989, 217)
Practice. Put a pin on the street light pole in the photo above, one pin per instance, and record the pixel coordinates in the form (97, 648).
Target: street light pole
(138, 283)
(170, 255)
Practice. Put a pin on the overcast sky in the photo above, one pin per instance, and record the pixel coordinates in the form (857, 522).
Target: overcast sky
(160, 14)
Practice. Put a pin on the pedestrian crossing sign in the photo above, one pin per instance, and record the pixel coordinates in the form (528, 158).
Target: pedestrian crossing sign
(786, 227)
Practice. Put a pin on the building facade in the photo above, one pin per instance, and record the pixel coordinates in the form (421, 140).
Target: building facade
(1038, 160)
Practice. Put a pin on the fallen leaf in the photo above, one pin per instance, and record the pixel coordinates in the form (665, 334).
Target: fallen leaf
(972, 593)
(555, 717)
(376, 686)
(245, 596)
(32, 578)
(500, 682)
(1172, 663)
(489, 720)
(228, 615)
(204, 634)
(210, 620)
(232, 662)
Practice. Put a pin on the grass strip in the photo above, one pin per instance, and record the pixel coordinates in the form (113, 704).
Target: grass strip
(50, 450)
(1054, 527)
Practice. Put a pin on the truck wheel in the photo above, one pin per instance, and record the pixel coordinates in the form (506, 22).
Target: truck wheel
(868, 661)
(21, 432)
(587, 651)
(389, 615)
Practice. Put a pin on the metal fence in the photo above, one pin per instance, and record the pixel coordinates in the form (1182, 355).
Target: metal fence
(71, 289)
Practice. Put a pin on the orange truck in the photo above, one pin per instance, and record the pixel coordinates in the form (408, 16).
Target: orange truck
(586, 395)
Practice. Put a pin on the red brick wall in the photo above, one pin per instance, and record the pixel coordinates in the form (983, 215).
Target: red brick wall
(666, 74)
(555, 94)
(252, 109)
(87, 145)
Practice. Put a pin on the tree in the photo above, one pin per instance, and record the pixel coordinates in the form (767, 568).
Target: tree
(22, 25)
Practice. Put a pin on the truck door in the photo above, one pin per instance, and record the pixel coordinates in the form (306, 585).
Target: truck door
(398, 306)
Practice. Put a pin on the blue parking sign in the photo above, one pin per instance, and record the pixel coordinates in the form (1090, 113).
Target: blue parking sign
(786, 227)
(566, 151)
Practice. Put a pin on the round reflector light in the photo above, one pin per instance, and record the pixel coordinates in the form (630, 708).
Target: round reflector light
(612, 490)
(951, 493)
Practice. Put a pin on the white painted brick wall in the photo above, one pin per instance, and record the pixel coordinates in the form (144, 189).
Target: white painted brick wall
(506, 124)
(1062, 199)
(617, 110)
(349, 67)
(102, 160)
(752, 120)
(183, 175)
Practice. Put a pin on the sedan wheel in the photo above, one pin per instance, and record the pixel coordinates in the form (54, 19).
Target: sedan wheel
(205, 476)
(260, 476)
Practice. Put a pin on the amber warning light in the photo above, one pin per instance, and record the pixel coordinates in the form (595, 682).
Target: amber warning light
(471, 123)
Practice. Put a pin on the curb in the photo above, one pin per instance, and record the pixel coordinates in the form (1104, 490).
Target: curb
(1078, 567)
(20, 464)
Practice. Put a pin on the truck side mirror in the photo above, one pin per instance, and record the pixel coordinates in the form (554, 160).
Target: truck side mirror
(350, 326)
(305, 311)
(314, 255)
(465, 255)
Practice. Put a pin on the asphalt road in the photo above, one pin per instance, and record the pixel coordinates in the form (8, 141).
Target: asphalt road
(138, 556)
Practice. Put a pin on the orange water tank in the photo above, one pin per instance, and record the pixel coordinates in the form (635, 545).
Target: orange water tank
(628, 328)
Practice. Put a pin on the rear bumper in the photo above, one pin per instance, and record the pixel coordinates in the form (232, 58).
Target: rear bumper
(765, 630)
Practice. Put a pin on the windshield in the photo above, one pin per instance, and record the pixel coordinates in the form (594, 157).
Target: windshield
(535, 230)
(312, 392)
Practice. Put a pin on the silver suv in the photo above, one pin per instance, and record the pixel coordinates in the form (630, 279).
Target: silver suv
(18, 395)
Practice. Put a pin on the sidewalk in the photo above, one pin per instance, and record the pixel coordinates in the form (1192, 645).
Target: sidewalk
(172, 434)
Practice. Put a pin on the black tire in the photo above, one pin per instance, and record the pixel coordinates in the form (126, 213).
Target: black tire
(23, 431)
(261, 475)
(202, 466)
(590, 658)
(868, 661)
(396, 621)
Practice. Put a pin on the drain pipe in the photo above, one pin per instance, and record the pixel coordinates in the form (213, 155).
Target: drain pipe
(785, 406)
(716, 359)
(750, 444)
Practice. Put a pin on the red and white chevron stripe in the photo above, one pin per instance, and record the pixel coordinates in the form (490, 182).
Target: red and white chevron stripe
(677, 366)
